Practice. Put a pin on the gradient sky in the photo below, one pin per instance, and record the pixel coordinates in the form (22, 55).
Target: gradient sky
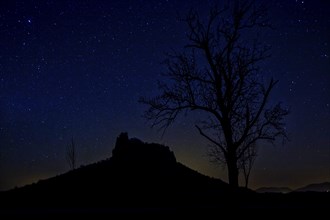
(77, 69)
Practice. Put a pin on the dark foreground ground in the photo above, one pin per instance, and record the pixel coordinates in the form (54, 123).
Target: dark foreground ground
(160, 201)
(181, 191)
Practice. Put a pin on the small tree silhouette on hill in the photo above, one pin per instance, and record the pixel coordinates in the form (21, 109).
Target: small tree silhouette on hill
(71, 154)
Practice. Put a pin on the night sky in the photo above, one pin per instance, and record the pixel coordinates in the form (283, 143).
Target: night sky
(77, 69)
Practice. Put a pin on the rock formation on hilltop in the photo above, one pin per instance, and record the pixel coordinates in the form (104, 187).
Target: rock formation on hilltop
(135, 151)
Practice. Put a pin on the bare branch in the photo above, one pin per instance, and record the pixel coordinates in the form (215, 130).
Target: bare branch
(211, 140)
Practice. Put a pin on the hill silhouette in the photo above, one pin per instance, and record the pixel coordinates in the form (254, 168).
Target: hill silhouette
(143, 177)
(136, 170)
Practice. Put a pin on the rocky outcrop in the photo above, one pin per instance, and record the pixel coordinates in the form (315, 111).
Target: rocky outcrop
(132, 150)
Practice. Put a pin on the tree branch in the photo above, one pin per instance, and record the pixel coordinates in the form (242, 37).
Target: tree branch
(210, 139)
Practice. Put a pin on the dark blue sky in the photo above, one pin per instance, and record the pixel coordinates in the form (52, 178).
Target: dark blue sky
(77, 69)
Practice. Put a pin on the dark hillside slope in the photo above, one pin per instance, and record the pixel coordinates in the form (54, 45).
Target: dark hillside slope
(137, 174)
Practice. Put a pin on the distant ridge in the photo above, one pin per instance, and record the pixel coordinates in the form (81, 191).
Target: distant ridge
(273, 190)
(316, 187)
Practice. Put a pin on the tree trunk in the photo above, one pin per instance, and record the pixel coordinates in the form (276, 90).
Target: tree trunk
(247, 181)
(232, 171)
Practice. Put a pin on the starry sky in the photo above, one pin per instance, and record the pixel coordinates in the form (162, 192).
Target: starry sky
(77, 69)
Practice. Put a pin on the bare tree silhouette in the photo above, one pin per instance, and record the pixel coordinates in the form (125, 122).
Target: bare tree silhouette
(71, 154)
(218, 74)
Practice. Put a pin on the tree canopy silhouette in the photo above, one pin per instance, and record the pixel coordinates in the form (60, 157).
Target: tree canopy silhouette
(218, 74)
